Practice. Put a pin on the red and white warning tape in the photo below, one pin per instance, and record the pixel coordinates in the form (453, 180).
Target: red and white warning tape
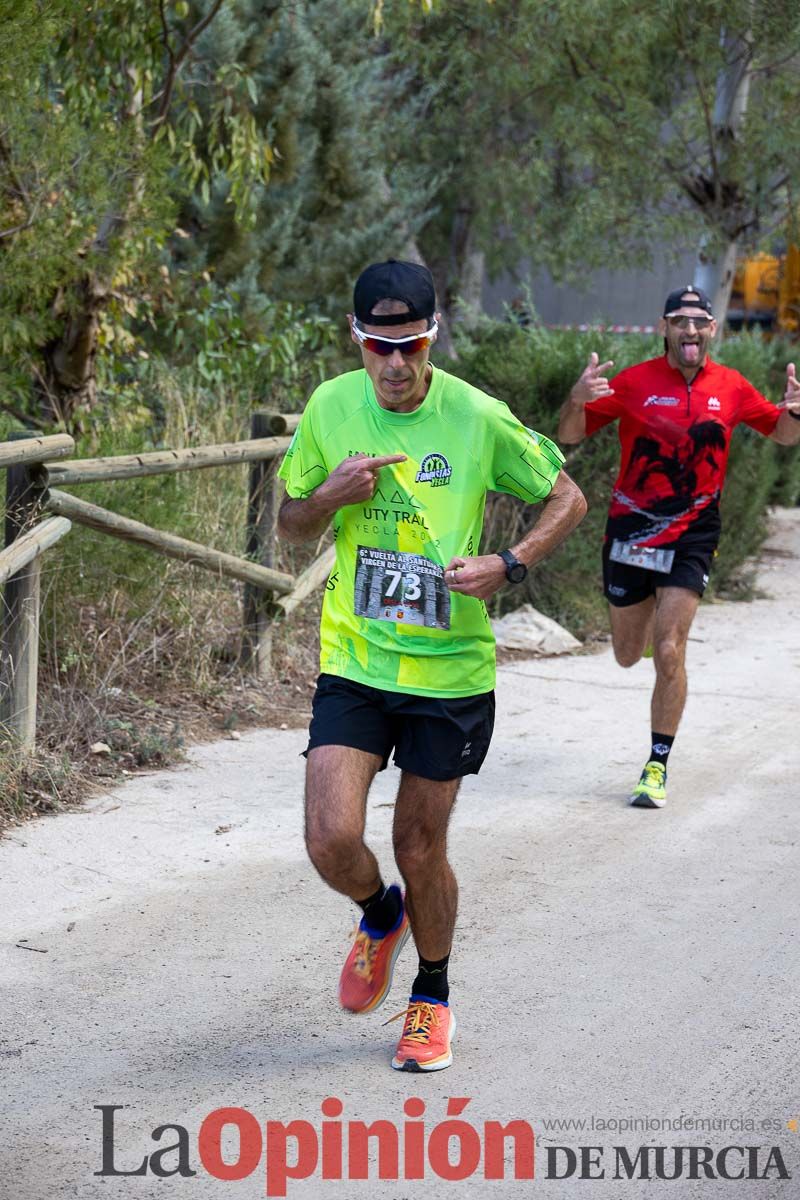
(606, 328)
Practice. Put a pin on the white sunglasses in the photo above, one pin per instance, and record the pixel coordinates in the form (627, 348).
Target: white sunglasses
(386, 346)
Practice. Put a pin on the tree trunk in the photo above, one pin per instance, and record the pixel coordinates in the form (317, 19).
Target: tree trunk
(445, 343)
(470, 298)
(714, 274)
(410, 250)
(715, 266)
(465, 271)
(67, 381)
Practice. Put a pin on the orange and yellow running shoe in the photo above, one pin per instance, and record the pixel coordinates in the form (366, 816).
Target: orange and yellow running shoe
(427, 1033)
(367, 974)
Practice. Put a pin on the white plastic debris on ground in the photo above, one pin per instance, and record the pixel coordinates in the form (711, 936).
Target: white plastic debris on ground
(527, 629)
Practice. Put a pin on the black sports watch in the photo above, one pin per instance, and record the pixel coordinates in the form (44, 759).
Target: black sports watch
(515, 570)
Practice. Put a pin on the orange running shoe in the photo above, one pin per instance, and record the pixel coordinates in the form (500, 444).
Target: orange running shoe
(427, 1033)
(367, 974)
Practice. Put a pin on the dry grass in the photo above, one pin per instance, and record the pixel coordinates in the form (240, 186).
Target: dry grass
(144, 691)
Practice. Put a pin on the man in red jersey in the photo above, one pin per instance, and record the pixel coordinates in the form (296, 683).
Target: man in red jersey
(676, 414)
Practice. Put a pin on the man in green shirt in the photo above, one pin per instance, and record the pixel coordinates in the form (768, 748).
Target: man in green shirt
(399, 456)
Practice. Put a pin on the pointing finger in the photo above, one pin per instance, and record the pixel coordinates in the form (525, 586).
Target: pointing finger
(790, 372)
(594, 359)
(375, 464)
(606, 365)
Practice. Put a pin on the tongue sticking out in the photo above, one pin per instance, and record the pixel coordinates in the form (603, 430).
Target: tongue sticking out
(691, 352)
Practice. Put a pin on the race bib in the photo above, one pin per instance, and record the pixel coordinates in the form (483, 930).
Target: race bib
(652, 558)
(391, 585)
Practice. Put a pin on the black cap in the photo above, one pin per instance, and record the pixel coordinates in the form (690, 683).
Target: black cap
(408, 282)
(677, 299)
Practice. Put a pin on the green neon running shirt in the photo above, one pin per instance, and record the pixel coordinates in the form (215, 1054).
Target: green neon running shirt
(388, 620)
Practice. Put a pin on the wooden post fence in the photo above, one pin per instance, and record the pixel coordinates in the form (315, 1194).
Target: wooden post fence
(32, 470)
(280, 423)
(20, 566)
(258, 605)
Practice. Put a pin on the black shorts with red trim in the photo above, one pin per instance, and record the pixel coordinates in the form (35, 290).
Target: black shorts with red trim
(624, 585)
(432, 737)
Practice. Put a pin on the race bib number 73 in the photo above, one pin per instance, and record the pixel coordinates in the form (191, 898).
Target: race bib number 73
(391, 585)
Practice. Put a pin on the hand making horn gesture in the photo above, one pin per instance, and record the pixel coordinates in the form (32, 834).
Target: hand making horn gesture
(593, 383)
(791, 397)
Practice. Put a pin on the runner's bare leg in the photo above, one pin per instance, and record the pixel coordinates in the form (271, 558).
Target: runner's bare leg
(675, 611)
(632, 630)
(421, 815)
(338, 779)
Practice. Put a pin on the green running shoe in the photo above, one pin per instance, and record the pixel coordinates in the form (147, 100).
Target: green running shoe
(651, 790)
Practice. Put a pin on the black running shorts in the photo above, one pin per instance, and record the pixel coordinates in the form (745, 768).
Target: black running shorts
(624, 585)
(431, 737)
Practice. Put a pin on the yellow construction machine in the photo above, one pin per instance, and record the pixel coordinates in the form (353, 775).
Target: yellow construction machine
(766, 293)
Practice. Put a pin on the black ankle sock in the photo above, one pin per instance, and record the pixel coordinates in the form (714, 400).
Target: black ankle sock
(381, 909)
(432, 979)
(661, 746)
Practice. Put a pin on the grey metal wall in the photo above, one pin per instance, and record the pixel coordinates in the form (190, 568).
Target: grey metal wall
(627, 297)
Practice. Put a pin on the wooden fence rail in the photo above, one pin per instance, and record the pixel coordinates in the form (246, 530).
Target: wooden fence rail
(34, 449)
(307, 582)
(30, 545)
(34, 479)
(164, 462)
(166, 543)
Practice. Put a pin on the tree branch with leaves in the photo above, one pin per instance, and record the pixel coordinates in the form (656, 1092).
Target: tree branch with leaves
(97, 175)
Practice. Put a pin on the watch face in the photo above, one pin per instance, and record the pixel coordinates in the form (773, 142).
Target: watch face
(517, 573)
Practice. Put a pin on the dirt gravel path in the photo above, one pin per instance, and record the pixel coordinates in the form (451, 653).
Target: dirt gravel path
(170, 950)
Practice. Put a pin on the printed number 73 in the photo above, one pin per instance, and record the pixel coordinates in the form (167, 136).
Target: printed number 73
(411, 589)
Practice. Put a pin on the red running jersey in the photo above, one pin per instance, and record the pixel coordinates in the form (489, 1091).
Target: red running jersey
(675, 438)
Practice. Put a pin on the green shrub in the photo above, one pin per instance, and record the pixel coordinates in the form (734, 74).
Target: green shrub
(274, 353)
